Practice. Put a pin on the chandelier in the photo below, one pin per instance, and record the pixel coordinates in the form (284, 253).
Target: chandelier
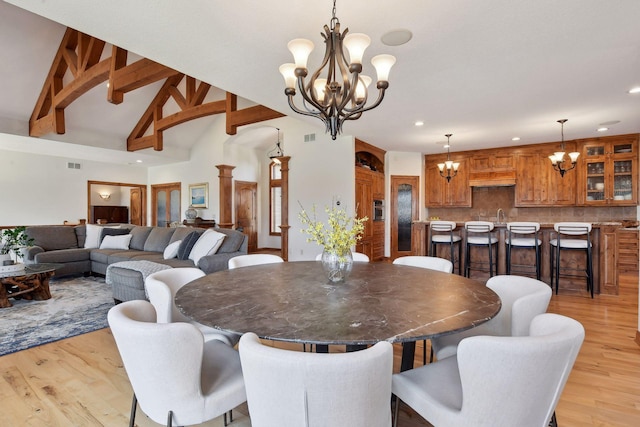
(451, 167)
(277, 152)
(336, 91)
(557, 158)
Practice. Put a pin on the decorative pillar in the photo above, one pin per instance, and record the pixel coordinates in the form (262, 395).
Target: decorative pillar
(284, 206)
(226, 182)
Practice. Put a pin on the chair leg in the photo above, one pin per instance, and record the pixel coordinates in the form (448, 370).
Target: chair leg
(396, 412)
(553, 422)
(134, 405)
(170, 419)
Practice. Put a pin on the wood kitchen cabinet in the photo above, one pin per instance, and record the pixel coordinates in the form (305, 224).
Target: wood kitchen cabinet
(492, 167)
(443, 193)
(369, 168)
(627, 251)
(538, 184)
(609, 172)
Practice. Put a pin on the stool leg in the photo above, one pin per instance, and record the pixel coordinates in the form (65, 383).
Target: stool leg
(508, 258)
(460, 258)
(551, 272)
(537, 261)
(557, 267)
(490, 260)
(589, 271)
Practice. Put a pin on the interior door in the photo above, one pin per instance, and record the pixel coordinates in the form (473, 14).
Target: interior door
(135, 205)
(404, 210)
(165, 201)
(246, 207)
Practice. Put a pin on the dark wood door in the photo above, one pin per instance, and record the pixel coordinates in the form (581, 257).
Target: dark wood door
(404, 210)
(135, 204)
(246, 207)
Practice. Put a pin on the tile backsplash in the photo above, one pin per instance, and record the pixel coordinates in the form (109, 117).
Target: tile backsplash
(487, 201)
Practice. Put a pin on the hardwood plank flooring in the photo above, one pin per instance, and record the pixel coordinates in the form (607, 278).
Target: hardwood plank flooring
(80, 381)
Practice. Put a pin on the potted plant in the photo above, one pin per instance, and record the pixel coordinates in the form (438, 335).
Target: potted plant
(12, 241)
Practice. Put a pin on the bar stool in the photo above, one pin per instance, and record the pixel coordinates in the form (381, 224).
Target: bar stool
(441, 233)
(571, 242)
(478, 233)
(523, 235)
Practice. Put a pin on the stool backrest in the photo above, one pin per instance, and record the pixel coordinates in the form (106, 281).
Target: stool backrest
(523, 227)
(442, 226)
(478, 226)
(573, 228)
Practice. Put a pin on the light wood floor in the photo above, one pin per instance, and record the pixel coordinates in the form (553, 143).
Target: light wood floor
(81, 382)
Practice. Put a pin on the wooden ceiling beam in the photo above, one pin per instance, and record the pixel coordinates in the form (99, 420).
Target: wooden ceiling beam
(246, 116)
(139, 74)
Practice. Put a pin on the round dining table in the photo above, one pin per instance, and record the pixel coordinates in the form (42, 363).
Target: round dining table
(295, 302)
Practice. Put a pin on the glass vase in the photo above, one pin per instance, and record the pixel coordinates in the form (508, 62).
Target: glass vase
(337, 265)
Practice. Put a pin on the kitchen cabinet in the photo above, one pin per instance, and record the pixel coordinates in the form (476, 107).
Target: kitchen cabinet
(492, 167)
(538, 184)
(627, 251)
(609, 171)
(369, 168)
(442, 193)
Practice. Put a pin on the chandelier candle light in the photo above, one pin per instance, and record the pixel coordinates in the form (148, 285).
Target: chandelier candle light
(336, 91)
(452, 167)
(557, 158)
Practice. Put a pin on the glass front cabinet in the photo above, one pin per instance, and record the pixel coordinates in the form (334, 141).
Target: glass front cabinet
(609, 171)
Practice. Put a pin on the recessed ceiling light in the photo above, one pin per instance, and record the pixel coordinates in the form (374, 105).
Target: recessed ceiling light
(635, 90)
(138, 161)
(515, 138)
(419, 123)
(396, 37)
(602, 129)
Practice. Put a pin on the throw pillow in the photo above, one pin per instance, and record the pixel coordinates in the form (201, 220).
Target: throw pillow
(171, 251)
(108, 231)
(116, 242)
(94, 232)
(207, 244)
(187, 244)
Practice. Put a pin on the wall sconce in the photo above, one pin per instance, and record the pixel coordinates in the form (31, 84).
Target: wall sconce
(105, 196)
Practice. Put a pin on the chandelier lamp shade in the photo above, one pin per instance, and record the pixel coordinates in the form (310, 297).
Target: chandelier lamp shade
(336, 91)
(277, 152)
(558, 159)
(449, 168)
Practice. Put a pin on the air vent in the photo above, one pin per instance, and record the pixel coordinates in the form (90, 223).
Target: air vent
(310, 137)
(72, 165)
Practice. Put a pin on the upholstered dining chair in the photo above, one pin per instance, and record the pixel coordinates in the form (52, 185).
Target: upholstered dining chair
(176, 376)
(523, 298)
(357, 257)
(496, 381)
(253, 259)
(162, 287)
(433, 263)
(290, 388)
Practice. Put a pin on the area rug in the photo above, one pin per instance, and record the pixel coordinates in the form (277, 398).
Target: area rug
(78, 305)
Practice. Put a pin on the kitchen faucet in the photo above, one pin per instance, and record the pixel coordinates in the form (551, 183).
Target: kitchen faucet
(504, 217)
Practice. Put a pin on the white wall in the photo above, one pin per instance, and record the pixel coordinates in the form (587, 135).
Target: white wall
(39, 189)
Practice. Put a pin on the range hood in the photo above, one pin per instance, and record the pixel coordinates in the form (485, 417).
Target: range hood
(492, 179)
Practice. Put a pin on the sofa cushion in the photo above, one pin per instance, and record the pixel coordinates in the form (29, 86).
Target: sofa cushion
(182, 232)
(187, 244)
(108, 231)
(232, 242)
(55, 237)
(81, 234)
(63, 256)
(208, 243)
(116, 242)
(140, 235)
(158, 239)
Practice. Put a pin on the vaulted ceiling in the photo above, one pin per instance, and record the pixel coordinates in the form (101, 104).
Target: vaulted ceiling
(485, 71)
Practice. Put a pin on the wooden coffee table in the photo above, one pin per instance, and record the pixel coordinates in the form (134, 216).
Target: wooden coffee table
(32, 283)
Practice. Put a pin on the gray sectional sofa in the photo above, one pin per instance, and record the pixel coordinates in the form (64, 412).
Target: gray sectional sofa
(66, 245)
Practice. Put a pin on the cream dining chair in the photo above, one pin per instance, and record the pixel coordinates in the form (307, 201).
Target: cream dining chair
(176, 376)
(253, 259)
(290, 388)
(496, 381)
(162, 287)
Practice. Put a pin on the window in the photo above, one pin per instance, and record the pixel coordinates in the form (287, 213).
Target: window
(275, 199)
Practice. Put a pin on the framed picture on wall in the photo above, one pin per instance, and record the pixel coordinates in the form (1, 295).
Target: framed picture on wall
(199, 195)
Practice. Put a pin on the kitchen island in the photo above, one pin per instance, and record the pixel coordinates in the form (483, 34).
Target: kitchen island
(604, 236)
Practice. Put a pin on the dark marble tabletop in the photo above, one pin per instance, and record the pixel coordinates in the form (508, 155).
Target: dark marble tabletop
(293, 301)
